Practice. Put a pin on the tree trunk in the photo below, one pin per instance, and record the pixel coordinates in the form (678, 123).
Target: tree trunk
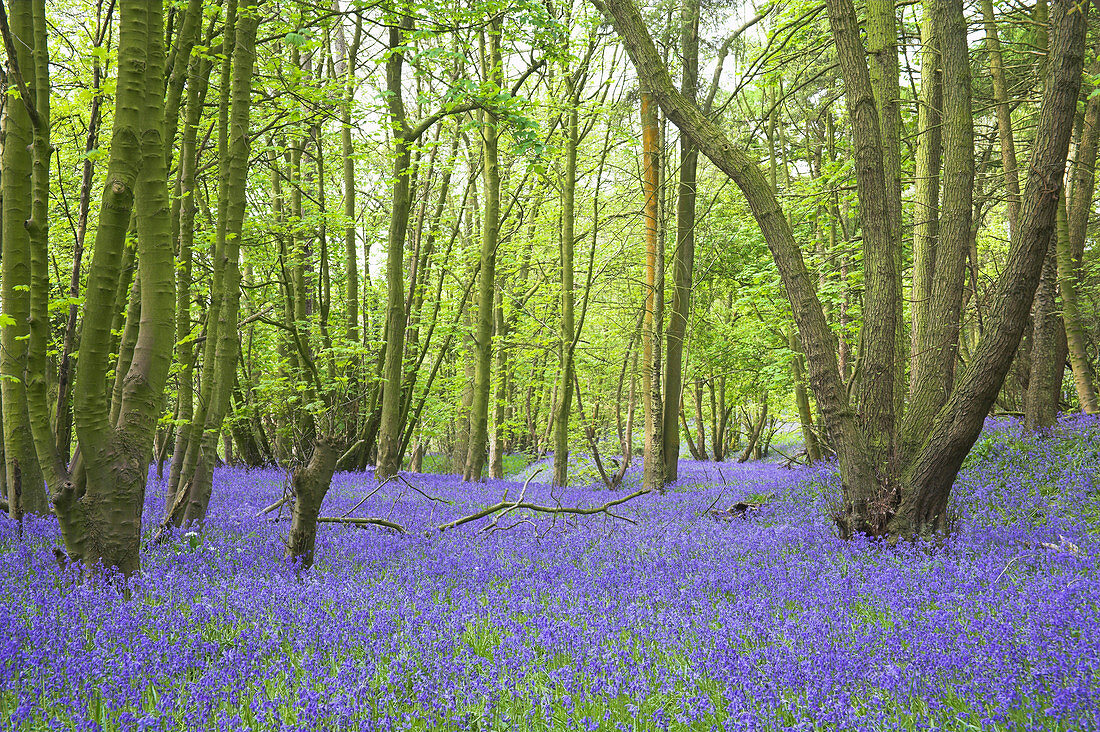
(864, 445)
(1071, 248)
(390, 427)
(702, 446)
(310, 485)
(882, 57)
(755, 430)
(490, 235)
(222, 343)
(63, 410)
(1044, 382)
(937, 350)
(497, 448)
(568, 336)
(199, 75)
(1004, 115)
(684, 257)
(461, 446)
(1072, 227)
(928, 479)
(926, 212)
(1048, 343)
(104, 525)
(876, 389)
(24, 236)
(653, 465)
(802, 400)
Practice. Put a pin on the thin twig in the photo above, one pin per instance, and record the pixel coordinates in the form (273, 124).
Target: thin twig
(429, 497)
(576, 511)
(377, 488)
(1010, 563)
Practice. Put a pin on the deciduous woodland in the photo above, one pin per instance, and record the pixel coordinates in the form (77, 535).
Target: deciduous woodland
(549, 364)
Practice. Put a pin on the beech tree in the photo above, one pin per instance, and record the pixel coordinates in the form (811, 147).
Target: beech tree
(26, 164)
(99, 501)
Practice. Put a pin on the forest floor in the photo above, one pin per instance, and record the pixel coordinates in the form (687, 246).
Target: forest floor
(665, 618)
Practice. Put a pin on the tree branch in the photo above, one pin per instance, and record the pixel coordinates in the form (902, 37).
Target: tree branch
(504, 505)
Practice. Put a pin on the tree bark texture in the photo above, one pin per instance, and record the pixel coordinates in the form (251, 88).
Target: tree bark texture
(1071, 247)
(389, 430)
(653, 462)
(926, 211)
(937, 349)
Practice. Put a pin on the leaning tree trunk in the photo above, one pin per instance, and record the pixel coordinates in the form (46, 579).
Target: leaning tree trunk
(928, 478)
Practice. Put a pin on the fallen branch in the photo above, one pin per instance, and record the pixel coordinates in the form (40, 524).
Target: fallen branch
(502, 509)
(504, 505)
(740, 509)
(515, 505)
(362, 522)
(279, 503)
